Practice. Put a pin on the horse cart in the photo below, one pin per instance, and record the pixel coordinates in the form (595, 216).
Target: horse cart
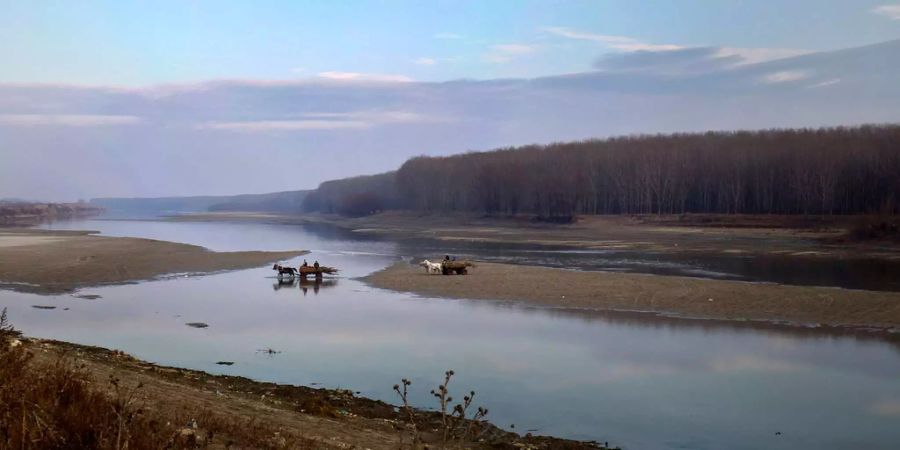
(317, 272)
(455, 267)
(304, 271)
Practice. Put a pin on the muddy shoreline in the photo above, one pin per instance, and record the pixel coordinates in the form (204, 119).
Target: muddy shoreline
(312, 417)
(54, 262)
(869, 311)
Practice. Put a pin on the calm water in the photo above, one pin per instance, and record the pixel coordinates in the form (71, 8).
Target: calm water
(635, 381)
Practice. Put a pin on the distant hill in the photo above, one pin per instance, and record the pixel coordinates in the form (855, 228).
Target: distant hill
(287, 201)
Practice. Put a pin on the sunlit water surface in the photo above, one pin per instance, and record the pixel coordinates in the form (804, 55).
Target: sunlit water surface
(636, 381)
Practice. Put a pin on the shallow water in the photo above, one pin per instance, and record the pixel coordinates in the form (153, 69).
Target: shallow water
(633, 380)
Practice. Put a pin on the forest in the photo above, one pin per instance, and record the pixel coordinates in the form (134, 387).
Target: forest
(844, 170)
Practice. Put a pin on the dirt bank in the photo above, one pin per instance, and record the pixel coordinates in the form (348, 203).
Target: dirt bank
(691, 297)
(183, 408)
(59, 261)
(750, 235)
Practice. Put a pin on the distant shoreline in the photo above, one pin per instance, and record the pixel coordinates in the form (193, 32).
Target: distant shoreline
(725, 234)
(54, 262)
(24, 214)
(677, 296)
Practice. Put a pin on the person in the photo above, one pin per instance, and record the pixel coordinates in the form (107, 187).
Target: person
(305, 264)
(446, 257)
(316, 265)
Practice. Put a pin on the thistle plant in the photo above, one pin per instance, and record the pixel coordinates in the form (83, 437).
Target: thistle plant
(404, 396)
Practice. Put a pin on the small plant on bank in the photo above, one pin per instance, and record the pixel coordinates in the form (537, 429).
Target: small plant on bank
(454, 425)
(7, 331)
(410, 414)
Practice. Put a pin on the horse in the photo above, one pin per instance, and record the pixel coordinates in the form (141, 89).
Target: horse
(284, 270)
(430, 267)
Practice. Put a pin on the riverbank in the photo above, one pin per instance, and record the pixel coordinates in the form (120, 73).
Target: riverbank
(97, 398)
(709, 234)
(678, 296)
(51, 262)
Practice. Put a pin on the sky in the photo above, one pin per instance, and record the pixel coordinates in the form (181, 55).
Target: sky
(193, 97)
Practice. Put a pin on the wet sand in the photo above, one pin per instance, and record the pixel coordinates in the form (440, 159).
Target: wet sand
(680, 296)
(50, 262)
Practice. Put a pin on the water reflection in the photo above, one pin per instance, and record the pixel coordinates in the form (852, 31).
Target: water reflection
(304, 284)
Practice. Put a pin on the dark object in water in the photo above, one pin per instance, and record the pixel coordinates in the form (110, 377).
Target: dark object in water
(225, 363)
(197, 324)
(88, 296)
(43, 307)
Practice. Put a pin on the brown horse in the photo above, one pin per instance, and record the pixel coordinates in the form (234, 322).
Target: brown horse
(284, 270)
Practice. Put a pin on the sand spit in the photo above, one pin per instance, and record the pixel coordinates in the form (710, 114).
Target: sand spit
(682, 296)
(50, 262)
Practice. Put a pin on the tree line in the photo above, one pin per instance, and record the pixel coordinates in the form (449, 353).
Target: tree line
(804, 171)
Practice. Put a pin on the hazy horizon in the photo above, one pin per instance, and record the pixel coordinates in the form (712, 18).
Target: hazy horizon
(235, 99)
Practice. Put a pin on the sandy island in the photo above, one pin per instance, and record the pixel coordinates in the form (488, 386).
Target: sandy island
(681, 296)
(50, 262)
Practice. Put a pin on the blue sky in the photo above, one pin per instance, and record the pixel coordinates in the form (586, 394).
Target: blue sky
(145, 43)
(192, 97)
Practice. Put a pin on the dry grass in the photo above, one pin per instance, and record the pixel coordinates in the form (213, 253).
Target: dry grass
(61, 406)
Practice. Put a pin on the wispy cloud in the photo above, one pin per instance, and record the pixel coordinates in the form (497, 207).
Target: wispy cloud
(623, 43)
(446, 35)
(356, 120)
(423, 61)
(891, 11)
(825, 83)
(758, 55)
(785, 76)
(68, 120)
(504, 53)
(358, 76)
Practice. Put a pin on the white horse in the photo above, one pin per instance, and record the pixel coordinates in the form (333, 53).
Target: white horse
(430, 267)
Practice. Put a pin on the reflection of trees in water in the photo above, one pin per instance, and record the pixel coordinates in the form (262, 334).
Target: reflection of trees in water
(659, 321)
(304, 285)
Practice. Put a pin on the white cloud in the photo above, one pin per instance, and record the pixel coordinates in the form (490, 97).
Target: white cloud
(623, 43)
(284, 125)
(504, 53)
(71, 120)
(757, 55)
(358, 76)
(825, 83)
(423, 61)
(355, 120)
(890, 11)
(447, 36)
(785, 76)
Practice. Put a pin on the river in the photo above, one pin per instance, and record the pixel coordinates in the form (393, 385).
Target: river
(638, 381)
